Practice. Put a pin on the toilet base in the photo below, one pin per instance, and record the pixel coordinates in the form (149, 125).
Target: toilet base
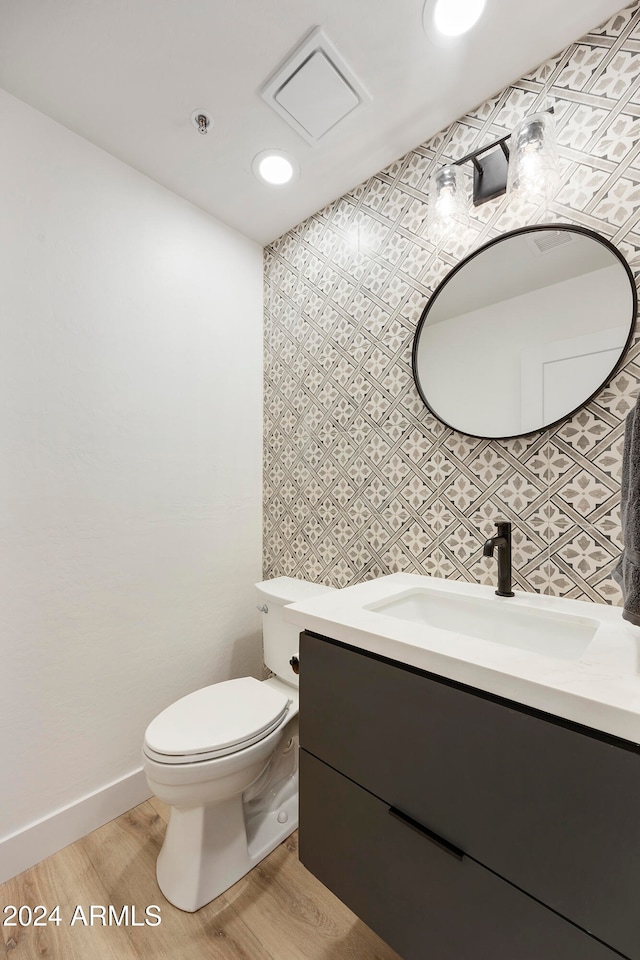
(207, 849)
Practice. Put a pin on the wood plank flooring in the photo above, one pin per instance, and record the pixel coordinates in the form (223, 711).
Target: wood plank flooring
(279, 911)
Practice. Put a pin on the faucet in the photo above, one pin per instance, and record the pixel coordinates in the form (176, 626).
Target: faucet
(502, 543)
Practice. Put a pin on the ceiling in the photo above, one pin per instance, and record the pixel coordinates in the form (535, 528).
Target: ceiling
(128, 74)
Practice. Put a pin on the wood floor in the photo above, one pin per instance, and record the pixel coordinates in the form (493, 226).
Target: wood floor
(277, 912)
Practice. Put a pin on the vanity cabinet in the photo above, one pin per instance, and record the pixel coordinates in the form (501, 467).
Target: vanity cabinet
(460, 825)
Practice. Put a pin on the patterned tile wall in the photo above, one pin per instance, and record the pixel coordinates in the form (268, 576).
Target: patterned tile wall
(359, 479)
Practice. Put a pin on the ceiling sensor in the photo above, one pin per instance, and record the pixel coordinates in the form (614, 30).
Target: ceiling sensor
(201, 120)
(314, 89)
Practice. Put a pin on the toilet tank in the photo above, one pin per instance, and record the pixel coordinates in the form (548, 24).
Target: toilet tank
(281, 639)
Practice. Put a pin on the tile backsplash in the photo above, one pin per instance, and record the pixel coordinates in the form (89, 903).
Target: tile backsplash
(360, 479)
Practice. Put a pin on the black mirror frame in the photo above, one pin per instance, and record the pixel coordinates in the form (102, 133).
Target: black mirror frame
(573, 228)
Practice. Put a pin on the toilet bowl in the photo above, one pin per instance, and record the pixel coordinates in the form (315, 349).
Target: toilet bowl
(225, 758)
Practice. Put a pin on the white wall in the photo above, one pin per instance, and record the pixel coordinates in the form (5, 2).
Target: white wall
(130, 465)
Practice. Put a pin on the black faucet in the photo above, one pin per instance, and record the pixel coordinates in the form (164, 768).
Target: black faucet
(502, 543)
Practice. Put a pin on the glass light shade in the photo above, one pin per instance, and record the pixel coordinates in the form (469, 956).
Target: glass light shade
(448, 202)
(533, 163)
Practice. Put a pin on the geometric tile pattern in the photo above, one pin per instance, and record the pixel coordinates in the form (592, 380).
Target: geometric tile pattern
(360, 479)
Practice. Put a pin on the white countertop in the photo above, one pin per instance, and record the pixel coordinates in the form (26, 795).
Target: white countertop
(601, 689)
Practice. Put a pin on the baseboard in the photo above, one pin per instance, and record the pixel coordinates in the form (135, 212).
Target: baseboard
(29, 846)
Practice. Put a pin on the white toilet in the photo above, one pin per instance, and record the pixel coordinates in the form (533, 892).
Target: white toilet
(226, 759)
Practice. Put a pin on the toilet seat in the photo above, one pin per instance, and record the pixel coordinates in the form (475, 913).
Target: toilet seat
(215, 721)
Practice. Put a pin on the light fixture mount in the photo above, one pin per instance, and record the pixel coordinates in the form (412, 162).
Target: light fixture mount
(491, 166)
(489, 171)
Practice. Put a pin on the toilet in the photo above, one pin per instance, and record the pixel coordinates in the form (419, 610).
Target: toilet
(225, 758)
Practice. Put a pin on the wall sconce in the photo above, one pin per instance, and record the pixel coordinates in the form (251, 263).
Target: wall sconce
(527, 169)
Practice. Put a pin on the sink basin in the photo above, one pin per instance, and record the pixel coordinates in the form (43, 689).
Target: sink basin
(554, 634)
(574, 659)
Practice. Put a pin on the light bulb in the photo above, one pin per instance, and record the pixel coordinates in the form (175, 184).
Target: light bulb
(452, 18)
(275, 169)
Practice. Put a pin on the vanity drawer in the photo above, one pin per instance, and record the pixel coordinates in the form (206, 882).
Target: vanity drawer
(542, 804)
(420, 898)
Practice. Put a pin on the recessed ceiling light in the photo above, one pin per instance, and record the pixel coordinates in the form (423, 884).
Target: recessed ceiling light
(451, 18)
(275, 167)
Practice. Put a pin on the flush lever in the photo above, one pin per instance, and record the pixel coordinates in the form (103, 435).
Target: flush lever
(263, 608)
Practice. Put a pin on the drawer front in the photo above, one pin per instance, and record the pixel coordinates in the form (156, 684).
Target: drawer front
(418, 896)
(552, 810)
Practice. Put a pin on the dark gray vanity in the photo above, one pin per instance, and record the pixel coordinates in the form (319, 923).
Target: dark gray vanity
(460, 825)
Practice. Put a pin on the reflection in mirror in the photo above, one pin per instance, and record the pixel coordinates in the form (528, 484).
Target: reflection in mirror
(524, 331)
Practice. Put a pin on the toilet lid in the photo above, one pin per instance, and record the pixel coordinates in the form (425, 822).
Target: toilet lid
(215, 721)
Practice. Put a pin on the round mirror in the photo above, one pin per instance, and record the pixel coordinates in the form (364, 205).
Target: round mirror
(524, 331)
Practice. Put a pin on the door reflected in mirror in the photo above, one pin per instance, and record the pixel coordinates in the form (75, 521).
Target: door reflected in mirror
(524, 331)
